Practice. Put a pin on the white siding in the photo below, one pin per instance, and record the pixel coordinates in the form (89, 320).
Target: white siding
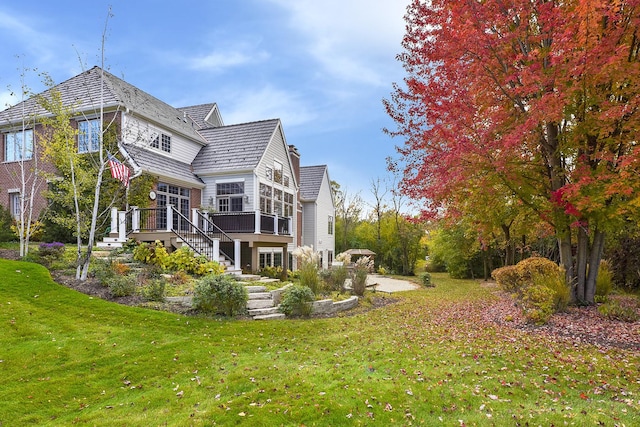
(139, 133)
(210, 190)
(309, 224)
(325, 208)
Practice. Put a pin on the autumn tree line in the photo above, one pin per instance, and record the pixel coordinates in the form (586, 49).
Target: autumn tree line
(517, 122)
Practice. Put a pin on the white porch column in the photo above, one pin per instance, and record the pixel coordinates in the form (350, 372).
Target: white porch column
(206, 227)
(216, 250)
(122, 226)
(236, 255)
(257, 222)
(114, 220)
(169, 217)
(290, 225)
(275, 225)
(135, 219)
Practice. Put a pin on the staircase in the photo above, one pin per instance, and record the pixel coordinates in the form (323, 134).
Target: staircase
(261, 305)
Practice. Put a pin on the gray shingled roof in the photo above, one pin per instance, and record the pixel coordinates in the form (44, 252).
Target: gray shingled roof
(158, 164)
(234, 147)
(199, 113)
(311, 181)
(82, 93)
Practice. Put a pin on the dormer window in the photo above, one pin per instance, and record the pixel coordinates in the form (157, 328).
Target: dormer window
(277, 173)
(162, 142)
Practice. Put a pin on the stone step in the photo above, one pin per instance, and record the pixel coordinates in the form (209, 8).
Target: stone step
(112, 240)
(255, 289)
(259, 303)
(263, 311)
(276, 316)
(109, 244)
(259, 295)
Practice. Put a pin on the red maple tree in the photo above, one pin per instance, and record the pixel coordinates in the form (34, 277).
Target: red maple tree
(537, 97)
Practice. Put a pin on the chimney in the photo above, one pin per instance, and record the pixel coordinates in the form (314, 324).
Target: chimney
(294, 155)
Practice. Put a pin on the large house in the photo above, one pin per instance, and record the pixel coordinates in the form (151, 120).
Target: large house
(231, 191)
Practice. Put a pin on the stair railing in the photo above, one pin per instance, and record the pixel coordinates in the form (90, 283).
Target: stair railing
(194, 237)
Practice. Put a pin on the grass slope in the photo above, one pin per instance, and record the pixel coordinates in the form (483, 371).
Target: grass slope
(66, 358)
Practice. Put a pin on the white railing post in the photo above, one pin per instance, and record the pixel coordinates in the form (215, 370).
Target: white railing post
(257, 221)
(216, 250)
(194, 218)
(135, 219)
(122, 226)
(206, 226)
(236, 255)
(275, 225)
(169, 217)
(114, 220)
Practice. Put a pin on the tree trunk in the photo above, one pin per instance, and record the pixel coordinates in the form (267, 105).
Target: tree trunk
(581, 266)
(566, 257)
(594, 266)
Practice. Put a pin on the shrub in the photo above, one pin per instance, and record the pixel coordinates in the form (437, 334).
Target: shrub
(183, 259)
(274, 272)
(382, 270)
(362, 267)
(529, 267)
(153, 290)
(425, 278)
(179, 278)
(54, 250)
(538, 302)
(507, 278)
(220, 294)
(120, 269)
(604, 281)
(308, 267)
(614, 310)
(6, 220)
(122, 286)
(557, 283)
(296, 301)
(154, 254)
(101, 270)
(338, 276)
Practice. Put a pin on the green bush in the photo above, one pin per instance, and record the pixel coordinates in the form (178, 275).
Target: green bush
(539, 283)
(220, 294)
(153, 290)
(614, 310)
(425, 279)
(507, 278)
(338, 276)
(153, 254)
(122, 286)
(557, 283)
(6, 220)
(274, 272)
(604, 281)
(296, 301)
(538, 302)
(361, 268)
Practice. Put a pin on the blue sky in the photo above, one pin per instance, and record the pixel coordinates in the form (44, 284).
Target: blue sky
(322, 67)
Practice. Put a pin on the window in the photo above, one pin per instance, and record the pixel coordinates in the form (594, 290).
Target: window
(14, 202)
(162, 141)
(288, 204)
(277, 201)
(225, 193)
(286, 180)
(230, 188)
(268, 172)
(265, 198)
(277, 172)
(179, 197)
(330, 227)
(88, 136)
(18, 145)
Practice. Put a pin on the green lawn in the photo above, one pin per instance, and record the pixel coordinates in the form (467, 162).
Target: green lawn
(66, 359)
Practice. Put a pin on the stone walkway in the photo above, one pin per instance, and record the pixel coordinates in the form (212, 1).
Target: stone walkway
(387, 284)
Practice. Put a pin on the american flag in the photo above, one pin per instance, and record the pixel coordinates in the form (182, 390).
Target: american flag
(118, 170)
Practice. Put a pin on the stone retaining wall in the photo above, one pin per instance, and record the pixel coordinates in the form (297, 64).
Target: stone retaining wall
(328, 306)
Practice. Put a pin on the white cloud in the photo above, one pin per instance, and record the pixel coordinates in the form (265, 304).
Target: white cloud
(220, 60)
(246, 105)
(353, 40)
